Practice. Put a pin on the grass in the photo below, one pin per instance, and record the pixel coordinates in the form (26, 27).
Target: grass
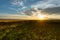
(30, 30)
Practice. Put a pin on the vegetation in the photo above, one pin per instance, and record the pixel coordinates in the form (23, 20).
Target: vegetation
(30, 30)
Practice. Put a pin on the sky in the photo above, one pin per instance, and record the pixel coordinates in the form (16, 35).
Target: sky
(17, 7)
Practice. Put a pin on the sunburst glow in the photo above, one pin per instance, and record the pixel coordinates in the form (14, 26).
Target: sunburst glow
(42, 17)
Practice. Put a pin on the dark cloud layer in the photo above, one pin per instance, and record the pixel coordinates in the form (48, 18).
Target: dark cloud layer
(54, 10)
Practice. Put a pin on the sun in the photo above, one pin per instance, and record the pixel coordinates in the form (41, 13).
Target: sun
(41, 17)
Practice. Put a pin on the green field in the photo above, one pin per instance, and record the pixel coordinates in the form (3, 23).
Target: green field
(30, 30)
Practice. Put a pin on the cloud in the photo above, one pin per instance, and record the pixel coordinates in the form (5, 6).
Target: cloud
(17, 5)
(53, 16)
(12, 16)
(17, 16)
(21, 4)
(47, 4)
(26, 17)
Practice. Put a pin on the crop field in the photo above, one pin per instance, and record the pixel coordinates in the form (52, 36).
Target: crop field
(30, 30)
